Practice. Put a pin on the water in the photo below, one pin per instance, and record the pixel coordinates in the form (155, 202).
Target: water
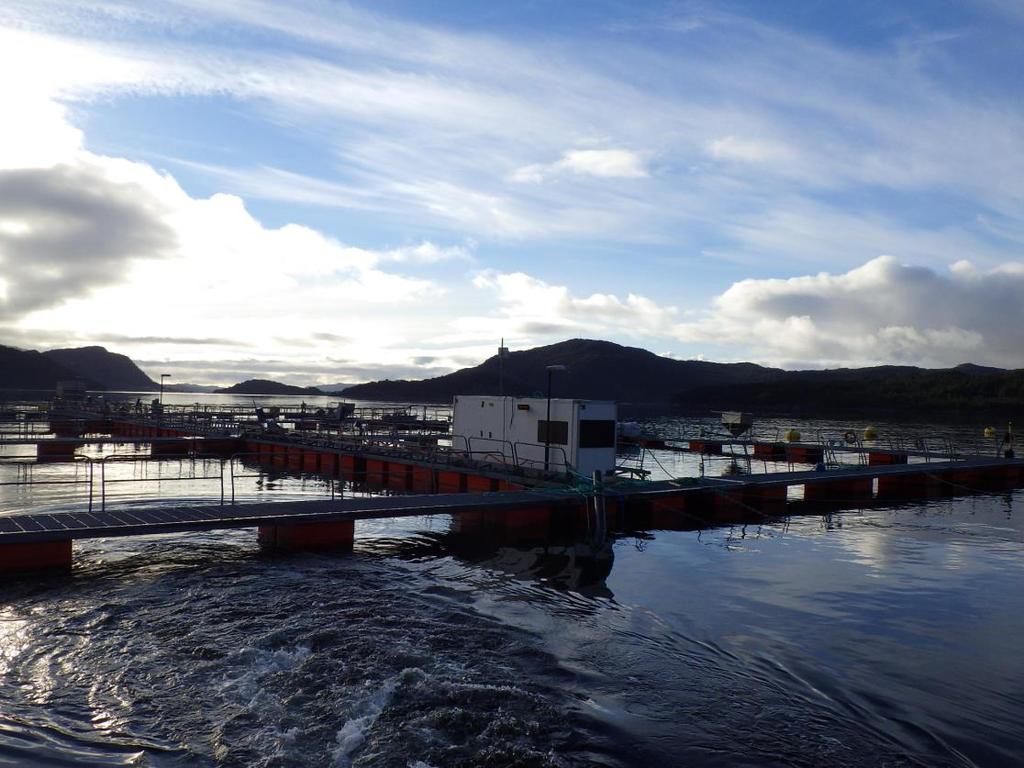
(888, 635)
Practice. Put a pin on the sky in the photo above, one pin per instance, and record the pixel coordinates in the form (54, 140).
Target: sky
(330, 192)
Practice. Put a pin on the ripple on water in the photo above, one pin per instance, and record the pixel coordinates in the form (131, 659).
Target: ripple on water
(312, 660)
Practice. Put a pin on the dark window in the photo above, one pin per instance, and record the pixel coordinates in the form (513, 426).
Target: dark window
(597, 433)
(559, 432)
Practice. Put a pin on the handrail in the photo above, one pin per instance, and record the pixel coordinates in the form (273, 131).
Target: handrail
(135, 459)
(522, 462)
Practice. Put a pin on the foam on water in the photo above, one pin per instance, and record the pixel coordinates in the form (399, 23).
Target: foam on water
(353, 733)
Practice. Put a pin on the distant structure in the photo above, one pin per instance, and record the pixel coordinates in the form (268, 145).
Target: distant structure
(71, 391)
(580, 435)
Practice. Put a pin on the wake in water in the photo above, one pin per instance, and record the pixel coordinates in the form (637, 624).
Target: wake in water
(246, 662)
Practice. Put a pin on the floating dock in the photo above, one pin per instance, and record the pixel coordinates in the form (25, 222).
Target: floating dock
(457, 483)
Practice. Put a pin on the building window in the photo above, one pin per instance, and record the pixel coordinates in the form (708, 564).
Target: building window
(597, 433)
(559, 432)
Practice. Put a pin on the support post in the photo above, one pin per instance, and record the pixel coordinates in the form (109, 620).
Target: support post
(35, 557)
(335, 536)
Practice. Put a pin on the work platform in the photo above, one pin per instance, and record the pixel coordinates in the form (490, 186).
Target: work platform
(43, 541)
(475, 481)
(145, 521)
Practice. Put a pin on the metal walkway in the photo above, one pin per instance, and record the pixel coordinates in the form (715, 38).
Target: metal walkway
(839, 474)
(142, 521)
(62, 526)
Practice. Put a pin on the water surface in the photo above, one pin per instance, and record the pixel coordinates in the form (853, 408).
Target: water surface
(888, 635)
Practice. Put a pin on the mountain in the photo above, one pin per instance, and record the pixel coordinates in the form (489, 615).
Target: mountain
(887, 390)
(641, 380)
(189, 388)
(110, 370)
(265, 387)
(27, 369)
(598, 370)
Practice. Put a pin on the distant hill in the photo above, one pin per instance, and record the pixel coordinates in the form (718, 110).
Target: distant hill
(266, 387)
(110, 370)
(98, 368)
(636, 377)
(885, 390)
(27, 369)
(598, 370)
(189, 388)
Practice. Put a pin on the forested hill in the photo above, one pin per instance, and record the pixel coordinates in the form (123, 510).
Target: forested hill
(603, 370)
(112, 370)
(98, 368)
(597, 370)
(887, 390)
(27, 369)
(267, 387)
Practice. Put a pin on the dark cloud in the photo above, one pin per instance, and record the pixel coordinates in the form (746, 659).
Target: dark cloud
(880, 312)
(69, 230)
(423, 360)
(546, 329)
(311, 339)
(202, 341)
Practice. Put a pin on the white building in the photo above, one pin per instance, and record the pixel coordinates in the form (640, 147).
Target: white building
(514, 430)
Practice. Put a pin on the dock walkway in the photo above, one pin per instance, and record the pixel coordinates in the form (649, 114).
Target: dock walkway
(143, 521)
(139, 521)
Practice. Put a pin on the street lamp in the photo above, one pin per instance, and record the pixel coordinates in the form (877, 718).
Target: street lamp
(547, 431)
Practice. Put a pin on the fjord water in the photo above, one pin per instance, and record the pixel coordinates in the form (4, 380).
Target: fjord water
(888, 635)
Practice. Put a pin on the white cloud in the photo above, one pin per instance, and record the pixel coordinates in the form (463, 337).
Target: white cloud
(749, 150)
(600, 163)
(73, 227)
(881, 312)
(427, 253)
(92, 244)
(429, 123)
(533, 308)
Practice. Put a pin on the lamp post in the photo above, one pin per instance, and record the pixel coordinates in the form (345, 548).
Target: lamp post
(547, 430)
(162, 377)
(502, 354)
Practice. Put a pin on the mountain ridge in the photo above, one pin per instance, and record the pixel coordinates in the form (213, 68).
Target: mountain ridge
(638, 378)
(602, 370)
(112, 370)
(99, 369)
(596, 371)
(267, 387)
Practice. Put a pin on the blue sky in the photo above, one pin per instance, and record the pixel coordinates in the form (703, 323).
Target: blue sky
(322, 192)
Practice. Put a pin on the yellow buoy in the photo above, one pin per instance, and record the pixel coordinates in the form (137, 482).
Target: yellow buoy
(791, 436)
(990, 432)
(870, 433)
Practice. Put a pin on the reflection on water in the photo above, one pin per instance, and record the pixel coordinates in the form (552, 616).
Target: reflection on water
(886, 634)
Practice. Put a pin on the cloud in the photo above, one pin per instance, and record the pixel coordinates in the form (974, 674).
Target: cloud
(880, 312)
(775, 147)
(427, 253)
(69, 229)
(332, 337)
(599, 163)
(421, 123)
(748, 150)
(532, 307)
(103, 222)
(188, 341)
